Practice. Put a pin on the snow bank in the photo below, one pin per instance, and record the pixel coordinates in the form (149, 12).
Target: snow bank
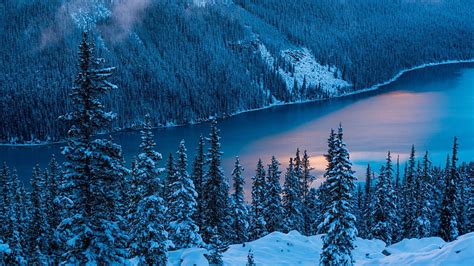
(416, 245)
(187, 257)
(295, 249)
(277, 249)
(424, 252)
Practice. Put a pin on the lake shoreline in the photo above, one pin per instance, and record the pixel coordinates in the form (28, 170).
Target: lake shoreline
(372, 88)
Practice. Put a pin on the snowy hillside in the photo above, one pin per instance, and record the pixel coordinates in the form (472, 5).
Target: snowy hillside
(305, 68)
(295, 249)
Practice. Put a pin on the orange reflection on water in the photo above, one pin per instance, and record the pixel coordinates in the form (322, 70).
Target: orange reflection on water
(372, 126)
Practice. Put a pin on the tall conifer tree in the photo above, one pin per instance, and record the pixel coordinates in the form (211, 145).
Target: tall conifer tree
(94, 171)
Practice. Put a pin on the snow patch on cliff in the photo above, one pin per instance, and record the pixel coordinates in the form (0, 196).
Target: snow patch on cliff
(305, 67)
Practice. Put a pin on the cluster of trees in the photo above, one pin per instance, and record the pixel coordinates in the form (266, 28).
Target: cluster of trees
(429, 201)
(184, 63)
(95, 209)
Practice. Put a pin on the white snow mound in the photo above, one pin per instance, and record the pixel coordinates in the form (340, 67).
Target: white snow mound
(295, 249)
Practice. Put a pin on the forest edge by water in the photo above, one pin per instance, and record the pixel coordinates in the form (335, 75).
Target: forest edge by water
(362, 91)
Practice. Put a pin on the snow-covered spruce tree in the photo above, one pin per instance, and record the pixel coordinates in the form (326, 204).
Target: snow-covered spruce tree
(338, 242)
(448, 219)
(4, 176)
(366, 223)
(170, 178)
(359, 208)
(258, 223)
(53, 180)
(470, 208)
(306, 177)
(14, 228)
(182, 204)
(384, 208)
(324, 194)
(291, 201)
(424, 190)
(198, 180)
(312, 211)
(150, 235)
(145, 172)
(397, 226)
(215, 192)
(306, 180)
(239, 211)
(298, 170)
(39, 229)
(409, 198)
(438, 188)
(273, 212)
(462, 199)
(216, 248)
(94, 171)
(147, 164)
(146, 210)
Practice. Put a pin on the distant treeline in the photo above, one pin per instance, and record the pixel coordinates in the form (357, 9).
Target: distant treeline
(184, 63)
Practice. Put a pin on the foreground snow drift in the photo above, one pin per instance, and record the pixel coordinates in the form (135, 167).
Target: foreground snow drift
(295, 249)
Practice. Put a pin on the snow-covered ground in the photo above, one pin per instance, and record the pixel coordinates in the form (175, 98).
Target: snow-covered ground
(295, 249)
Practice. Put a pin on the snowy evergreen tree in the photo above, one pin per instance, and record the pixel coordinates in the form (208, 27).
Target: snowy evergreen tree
(306, 180)
(53, 181)
(367, 222)
(470, 226)
(272, 211)
(216, 248)
(324, 194)
(182, 204)
(397, 222)
(409, 198)
(239, 211)
(39, 229)
(312, 212)
(358, 205)
(145, 171)
(338, 242)
(4, 176)
(148, 170)
(424, 190)
(306, 177)
(169, 179)
(14, 228)
(384, 208)
(94, 171)
(463, 199)
(292, 205)
(448, 219)
(298, 170)
(258, 223)
(150, 238)
(198, 180)
(146, 212)
(215, 191)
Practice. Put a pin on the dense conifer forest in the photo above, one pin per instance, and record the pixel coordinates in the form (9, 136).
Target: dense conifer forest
(184, 61)
(95, 208)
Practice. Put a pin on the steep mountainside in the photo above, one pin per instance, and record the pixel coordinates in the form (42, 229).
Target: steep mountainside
(183, 61)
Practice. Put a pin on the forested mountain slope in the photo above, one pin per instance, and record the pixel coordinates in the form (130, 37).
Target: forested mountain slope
(183, 61)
